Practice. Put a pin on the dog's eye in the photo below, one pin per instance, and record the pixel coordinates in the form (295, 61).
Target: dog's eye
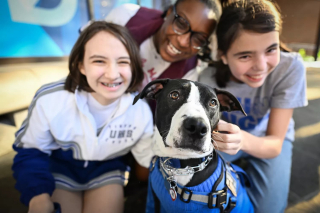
(213, 103)
(174, 95)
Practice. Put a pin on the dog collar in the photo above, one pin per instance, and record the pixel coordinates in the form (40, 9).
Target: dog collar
(188, 170)
(219, 197)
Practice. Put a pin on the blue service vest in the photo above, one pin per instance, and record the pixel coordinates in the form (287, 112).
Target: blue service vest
(157, 186)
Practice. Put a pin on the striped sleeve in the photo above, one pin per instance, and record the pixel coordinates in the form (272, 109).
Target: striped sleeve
(34, 131)
(32, 144)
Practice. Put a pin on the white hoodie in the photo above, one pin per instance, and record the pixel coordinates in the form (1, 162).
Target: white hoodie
(58, 118)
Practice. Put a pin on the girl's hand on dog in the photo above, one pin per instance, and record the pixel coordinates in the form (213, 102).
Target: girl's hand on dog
(227, 138)
(41, 204)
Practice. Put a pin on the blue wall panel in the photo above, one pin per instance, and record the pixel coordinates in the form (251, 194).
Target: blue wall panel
(40, 28)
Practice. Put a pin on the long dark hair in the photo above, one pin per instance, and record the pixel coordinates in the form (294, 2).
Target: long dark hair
(76, 80)
(261, 16)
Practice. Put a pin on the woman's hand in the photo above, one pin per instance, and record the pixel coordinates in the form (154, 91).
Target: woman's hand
(41, 204)
(227, 138)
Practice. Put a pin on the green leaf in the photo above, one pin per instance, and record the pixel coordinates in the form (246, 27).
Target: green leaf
(302, 52)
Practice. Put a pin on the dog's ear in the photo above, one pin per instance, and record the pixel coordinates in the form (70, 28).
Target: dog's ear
(151, 89)
(228, 102)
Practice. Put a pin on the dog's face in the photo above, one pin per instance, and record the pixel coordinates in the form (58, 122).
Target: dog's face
(186, 114)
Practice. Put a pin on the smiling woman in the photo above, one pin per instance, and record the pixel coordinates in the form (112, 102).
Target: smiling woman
(186, 31)
(170, 41)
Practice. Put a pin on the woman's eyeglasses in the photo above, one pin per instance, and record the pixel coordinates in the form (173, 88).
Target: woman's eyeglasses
(181, 26)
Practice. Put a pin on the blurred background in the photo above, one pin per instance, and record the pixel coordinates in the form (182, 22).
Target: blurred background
(36, 37)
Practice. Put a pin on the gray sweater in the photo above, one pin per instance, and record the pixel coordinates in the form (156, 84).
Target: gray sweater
(285, 87)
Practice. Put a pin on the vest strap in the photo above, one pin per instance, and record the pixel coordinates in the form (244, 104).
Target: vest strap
(214, 199)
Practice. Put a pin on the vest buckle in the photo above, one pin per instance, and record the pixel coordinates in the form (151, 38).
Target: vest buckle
(220, 198)
(232, 204)
(183, 192)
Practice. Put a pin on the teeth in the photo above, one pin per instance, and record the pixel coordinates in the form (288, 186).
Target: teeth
(111, 85)
(255, 76)
(173, 49)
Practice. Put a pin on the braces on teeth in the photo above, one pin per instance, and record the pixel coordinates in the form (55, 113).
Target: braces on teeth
(111, 85)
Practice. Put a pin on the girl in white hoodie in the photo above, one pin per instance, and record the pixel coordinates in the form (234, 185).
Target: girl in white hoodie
(70, 148)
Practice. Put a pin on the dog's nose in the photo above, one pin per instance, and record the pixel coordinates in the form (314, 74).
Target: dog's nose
(195, 127)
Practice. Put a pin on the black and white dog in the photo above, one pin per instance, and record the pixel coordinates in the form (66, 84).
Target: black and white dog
(188, 175)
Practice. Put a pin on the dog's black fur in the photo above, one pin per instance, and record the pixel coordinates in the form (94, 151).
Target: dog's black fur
(186, 114)
(162, 90)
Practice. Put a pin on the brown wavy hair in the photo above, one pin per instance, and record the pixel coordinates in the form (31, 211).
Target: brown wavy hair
(76, 80)
(260, 16)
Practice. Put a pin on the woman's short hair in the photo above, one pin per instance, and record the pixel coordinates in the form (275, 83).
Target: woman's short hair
(76, 80)
(215, 7)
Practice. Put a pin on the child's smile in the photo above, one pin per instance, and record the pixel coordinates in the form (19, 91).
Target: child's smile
(253, 56)
(108, 72)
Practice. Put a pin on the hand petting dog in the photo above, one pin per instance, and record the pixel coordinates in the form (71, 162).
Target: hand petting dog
(227, 138)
